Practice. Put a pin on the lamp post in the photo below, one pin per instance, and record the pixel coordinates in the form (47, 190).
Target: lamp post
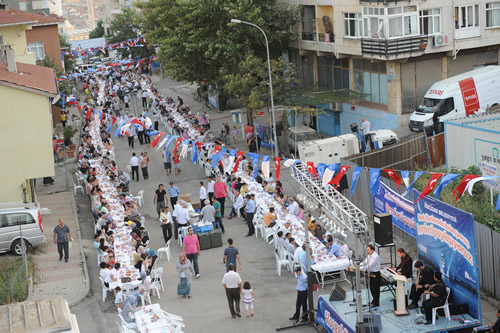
(273, 116)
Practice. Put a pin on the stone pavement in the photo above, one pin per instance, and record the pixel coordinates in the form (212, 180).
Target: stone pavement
(51, 276)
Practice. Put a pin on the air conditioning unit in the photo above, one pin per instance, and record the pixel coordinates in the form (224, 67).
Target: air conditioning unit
(440, 40)
(337, 106)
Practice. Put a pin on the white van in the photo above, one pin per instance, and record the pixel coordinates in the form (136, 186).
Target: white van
(458, 97)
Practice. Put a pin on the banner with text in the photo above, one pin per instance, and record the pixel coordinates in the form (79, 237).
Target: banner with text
(446, 242)
(331, 320)
(402, 210)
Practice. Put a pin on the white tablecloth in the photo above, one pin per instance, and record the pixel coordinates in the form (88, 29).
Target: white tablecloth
(151, 319)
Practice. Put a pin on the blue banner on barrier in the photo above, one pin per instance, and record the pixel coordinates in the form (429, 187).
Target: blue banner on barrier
(447, 243)
(264, 132)
(330, 319)
(401, 209)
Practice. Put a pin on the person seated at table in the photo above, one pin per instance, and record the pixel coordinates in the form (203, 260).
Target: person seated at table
(280, 198)
(128, 308)
(288, 235)
(286, 201)
(332, 246)
(97, 241)
(302, 256)
(345, 253)
(105, 273)
(110, 257)
(115, 272)
(405, 267)
(270, 218)
(319, 232)
(109, 237)
(300, 216)
(293, 207)
(291, 246)
(281, 239)
(238, 204)
(244, 189)
(144, 235)
(238, 184)
(310, 222)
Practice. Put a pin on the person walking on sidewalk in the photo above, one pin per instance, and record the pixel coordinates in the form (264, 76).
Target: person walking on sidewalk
(217, 206)
(203, 195)
(134, 164)
(231, 255)
(191, 247)
(249, 213)
(210, 188)
(166, 222)
(144, 160)
(220, 194)
(159, 199)
(173, 193)
(232, 285)
(62, 235)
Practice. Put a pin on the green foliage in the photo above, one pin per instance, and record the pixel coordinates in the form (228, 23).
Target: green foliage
(125, 26)
(478, 204)
(13, 282)
(98, 30)
(198, 43)
(47, 62)
(69, 60)
(69, 132)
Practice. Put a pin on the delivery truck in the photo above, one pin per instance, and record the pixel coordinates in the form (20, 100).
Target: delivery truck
(459, 96)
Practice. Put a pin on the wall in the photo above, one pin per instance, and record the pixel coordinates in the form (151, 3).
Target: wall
(27, 118)
(49, 34)
(378, 119)
(16, 36)
(328, 122)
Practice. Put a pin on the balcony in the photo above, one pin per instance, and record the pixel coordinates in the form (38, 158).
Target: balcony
(398, 48)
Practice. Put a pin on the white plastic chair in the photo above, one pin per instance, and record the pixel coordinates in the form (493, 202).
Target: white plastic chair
(100, 257)
(140, 198)
(156, 275)
(145, 297)
(104, 290)
(280, 262)
(165, 250)
(445, 307)
(78, 187)
(129, 326)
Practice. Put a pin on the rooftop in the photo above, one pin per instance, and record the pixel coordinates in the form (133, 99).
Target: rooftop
(488, 122)
(39, 18)
(7, 18)
(37, 79)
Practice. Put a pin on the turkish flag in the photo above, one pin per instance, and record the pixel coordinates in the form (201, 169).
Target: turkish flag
(277, 164)
(239, 157)
(430, 185)
(312, 169)
(156, 140)
(460, 189)
(216, 149)
(394, 177)
(114, 120)
(177, 145)
(136, 121)
(87, 115)
(335, 180)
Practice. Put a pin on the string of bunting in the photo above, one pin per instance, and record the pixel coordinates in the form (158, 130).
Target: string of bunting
(133, 42)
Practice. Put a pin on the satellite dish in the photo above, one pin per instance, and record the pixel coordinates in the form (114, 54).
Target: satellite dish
(56, 99)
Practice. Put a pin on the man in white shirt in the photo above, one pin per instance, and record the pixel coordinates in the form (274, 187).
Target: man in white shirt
(134, 164)
(365, 128)
(344, 250)
(203, 195)
(182, 216)
(293, 208)
(238, 204)
(232, 285)
(210, 188)
(372, 266)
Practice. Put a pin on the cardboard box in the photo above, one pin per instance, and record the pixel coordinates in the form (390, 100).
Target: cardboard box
(185, 197)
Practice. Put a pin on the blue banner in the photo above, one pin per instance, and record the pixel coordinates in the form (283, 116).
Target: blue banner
(388, 201)
(264, 132)
(331, 320)
(447, 243)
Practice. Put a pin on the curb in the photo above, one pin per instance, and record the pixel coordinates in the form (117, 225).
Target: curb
(82, 255)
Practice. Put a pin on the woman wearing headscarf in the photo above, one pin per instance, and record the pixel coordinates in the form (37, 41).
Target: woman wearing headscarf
(185, 273)
(128, 308)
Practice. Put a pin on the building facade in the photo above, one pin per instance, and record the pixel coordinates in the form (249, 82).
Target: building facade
(390, 52)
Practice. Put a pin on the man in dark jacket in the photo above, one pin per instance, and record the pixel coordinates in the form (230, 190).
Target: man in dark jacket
(405, 267)
(438, 295)
(425, 277)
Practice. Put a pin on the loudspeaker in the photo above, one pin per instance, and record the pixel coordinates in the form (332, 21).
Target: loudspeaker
(337, 293)
(373, 323)
(457, 309)
(383, 228)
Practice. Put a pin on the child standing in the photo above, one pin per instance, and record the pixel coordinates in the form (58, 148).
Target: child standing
(234, 134)
(248, 298)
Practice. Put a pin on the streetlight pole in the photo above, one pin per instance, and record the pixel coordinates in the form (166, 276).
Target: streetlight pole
(273, 116)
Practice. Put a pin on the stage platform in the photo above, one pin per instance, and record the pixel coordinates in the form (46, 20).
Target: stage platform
(340, 316)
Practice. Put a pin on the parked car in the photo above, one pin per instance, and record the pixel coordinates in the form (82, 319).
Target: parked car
(16, 219)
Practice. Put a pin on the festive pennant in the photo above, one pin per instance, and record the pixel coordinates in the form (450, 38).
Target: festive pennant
(460, 189)
(289, 162)
(232, 157)
(217, 157)
(113, 120)
(136, 121)
(172, 138)
(430, 185)
(445, 181)
(394, 177)
(355, 176)
(185, 146)
(119, 128)
(311, 169)
(265, 166)
(177, 143)
(328, 174)
(415, 177)
(336, 180)
(87, 115)
(162, 142)
(374, 180)
(471, 183)
(155, 141)
(277, 165)
(195, 152)
(255, 162)
(320, 169)
(124, 129)
(239, 157)
(497, 208)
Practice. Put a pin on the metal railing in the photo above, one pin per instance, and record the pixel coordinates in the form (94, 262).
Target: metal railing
(394, 47)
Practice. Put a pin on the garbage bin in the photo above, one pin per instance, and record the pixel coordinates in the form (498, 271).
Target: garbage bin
(215, 238)
(204, 238)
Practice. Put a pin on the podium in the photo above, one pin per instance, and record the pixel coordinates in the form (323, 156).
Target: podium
(400, 295)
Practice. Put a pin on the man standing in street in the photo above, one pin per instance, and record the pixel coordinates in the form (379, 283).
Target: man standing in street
(181, 217)
(301, 296)
(231, 254)
(167, 163)
(220, 194)
(232, 285)
(365, 129)
(62, 235)
(173, 193)
(249, 212)
(203, 195)
(372, 266)
(134, 164)
(210, 188)
(159, 199)
(218, 218)
(191, 247)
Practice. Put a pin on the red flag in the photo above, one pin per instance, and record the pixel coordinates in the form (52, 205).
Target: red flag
(277, 165)
(114, 120)
(312, 169)
(130, 64)
(430, 185)
(136, 121)
(177, 145)
(460, 189)
(336, 180)
(156, 140)
(239, 157)
(394, 177)
(87, 115)
(200, 145)
(216, 149)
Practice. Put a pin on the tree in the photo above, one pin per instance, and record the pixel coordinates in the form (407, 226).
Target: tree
(69, 58)
(128, 25)
(198, 43)
(98, 30)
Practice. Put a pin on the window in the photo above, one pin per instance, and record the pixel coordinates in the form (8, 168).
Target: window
(466, 16)
(352, 25)
(371, 80)
(430, 21)
(341, 73)
(23, 6)
(325, 72)
(9, 220)
(395, 22)
(37, 49)
(40, 4)
(493, 15)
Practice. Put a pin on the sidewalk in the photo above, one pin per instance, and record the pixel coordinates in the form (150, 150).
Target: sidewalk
(51, 276)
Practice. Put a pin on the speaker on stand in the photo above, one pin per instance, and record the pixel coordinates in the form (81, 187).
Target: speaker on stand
(383, 228)
(337, 293)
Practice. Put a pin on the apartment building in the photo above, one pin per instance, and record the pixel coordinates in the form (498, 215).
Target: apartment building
(389, 52)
